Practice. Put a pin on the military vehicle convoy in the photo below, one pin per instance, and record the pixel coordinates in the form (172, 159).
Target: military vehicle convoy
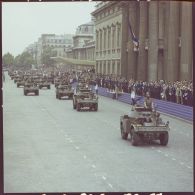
(64, 91)
(144, 124)
(31, 87)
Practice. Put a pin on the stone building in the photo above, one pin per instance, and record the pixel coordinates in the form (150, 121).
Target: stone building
(164, 30)
(59, 43)
(82, 53)
(108, 23)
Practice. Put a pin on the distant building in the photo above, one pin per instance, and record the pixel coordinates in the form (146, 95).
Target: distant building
(59, 43)
(33, 50)
(83, 48)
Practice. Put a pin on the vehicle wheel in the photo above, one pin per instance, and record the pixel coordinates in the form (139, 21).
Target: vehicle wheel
(164, 138)
(48, 87)
(24, 92)
(56, 96)
(96, 107)
(17, 85)
(78, 107)
(37, 93)
(74, 106)
(135, 139)
(124, 135)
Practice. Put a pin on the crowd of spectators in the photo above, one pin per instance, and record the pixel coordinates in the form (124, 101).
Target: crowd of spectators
(180, 92)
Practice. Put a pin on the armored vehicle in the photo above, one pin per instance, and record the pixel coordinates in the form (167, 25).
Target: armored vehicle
(20, 82)
(85, 99)
(43, 83)
(16, 78)
(144, 124)
(65, 91)
(57, 82)
(31, 87)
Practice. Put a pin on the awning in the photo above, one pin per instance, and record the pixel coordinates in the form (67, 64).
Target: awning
(72, 61)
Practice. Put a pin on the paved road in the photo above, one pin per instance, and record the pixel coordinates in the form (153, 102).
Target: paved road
(49, 147)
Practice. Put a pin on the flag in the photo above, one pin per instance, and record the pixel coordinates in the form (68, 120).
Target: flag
(133, 37)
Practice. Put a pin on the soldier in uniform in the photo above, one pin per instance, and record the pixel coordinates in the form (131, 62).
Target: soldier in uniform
(148, 101)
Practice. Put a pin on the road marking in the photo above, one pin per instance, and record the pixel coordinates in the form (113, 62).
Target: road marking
(181, 163)
(173, 159)
(166, 155)
(110, 185)
(103, 177)
(152, 147)
(76, 147)
(93, 166)
(84, 156)
(189, 167)
(159, 150)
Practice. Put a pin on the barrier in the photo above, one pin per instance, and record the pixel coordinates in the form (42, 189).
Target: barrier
(174, 109)
(178, 110)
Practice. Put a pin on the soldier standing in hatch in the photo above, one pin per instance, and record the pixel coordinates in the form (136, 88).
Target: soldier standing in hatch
(148, 103)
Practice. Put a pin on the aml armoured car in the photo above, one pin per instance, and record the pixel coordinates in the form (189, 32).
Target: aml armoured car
(65, 91)
(43, 83)
(20, 82)
(144, 124)
(85, 99)
(31, 87)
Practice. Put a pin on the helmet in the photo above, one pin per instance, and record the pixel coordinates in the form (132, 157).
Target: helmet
(147, 94)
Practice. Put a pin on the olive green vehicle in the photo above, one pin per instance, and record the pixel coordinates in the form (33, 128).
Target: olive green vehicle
(64, 91)
(84, 98)
(144, 125)
(31, 87)
(20, 82)
(44, 83)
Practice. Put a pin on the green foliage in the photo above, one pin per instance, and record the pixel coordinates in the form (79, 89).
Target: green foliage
(47, 53)
(8, 59)
(24, 59)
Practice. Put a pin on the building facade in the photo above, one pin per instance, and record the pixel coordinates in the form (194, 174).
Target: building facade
(58, 43)
(164, 30)
(108, 25)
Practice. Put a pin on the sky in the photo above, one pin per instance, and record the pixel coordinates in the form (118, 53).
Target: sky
(23, 23)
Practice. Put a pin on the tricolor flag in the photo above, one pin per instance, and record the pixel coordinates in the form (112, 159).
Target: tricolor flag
(133, 37)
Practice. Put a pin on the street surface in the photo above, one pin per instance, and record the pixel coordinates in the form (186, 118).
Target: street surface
(49, 147)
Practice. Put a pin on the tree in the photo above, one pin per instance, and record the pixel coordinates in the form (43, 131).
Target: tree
(24, 59)
(8, 59)
(48, 52)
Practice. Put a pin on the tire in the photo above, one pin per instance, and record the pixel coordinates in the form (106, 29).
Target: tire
(18, 85)
(164, 138)
(48, 87)
(56, 96)
(124, 135)
(24, 92)
(96, 107)
(78, 107)
(135, 139)
(74, 106)
(37, 93)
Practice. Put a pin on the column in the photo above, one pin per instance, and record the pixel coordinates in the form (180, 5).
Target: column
(131, 70)
(172, 43)
(186, 41)
(143, 34)
(153, 41)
